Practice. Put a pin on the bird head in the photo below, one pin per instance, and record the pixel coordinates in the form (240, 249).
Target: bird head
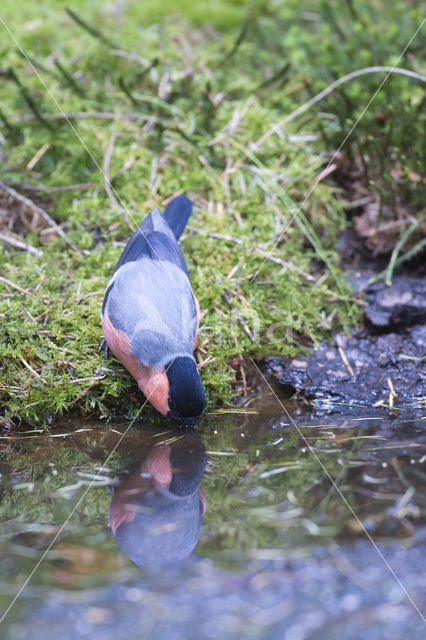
(186, 391)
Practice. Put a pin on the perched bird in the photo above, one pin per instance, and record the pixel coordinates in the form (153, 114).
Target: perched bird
(150, 315)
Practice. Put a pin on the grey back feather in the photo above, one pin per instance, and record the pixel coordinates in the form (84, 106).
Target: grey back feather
(153, 303)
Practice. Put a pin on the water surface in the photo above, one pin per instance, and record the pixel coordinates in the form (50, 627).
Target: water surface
(252, 526)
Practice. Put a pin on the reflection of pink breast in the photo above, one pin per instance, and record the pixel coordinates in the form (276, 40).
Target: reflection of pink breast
(155, 473)
(158, 466)
(152, 382)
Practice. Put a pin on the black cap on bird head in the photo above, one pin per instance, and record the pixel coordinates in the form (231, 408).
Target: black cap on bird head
(186, 392)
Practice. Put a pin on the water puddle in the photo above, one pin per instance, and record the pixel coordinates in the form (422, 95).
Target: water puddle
(252, 526)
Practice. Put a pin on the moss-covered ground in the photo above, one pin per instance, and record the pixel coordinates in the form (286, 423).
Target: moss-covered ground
(118, 106)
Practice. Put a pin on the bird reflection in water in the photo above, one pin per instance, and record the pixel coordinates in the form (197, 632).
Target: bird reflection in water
(156, 513)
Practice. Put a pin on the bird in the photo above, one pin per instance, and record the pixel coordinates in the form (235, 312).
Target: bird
(150, 315)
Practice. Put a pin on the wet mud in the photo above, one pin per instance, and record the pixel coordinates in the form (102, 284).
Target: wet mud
(380, 366)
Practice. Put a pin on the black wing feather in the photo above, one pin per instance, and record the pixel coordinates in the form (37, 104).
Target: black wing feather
(154, 243)
(138, 245)
(177, 214)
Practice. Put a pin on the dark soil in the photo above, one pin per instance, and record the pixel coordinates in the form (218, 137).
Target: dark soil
(381, 365)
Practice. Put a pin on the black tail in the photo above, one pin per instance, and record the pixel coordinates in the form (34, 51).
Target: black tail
(177, 214)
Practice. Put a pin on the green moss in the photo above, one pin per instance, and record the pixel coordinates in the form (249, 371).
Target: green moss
(196, 114)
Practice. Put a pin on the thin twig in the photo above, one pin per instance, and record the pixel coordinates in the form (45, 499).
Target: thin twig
(325, 92)
(8, 283)
(29, 367)
(217, 236)
(40, 153)
(83, 186)
(20, 245)
(130, 56)
(287, 265)
(391, 387)
(90, 379)
(82, 394)
(29, 204)
(86, 115)
(345, 361)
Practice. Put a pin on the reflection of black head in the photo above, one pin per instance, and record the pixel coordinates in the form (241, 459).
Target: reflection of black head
(154, 524)
(187, 460)
(186, 392)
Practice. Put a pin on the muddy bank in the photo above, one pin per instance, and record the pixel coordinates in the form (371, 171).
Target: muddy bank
(382, 365)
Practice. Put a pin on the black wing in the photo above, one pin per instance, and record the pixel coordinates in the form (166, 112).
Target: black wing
(177, 214)
(155, 240)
